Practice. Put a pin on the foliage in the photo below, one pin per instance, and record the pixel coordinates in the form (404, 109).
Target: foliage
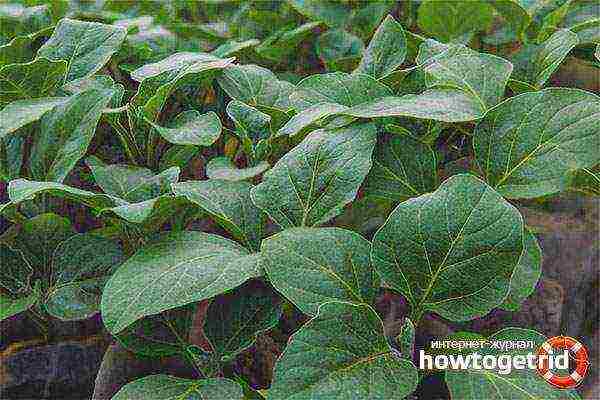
(170, 164)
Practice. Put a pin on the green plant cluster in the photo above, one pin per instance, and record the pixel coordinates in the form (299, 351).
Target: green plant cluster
(243, 161)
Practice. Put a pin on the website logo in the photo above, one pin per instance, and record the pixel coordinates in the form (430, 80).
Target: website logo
(562, 361)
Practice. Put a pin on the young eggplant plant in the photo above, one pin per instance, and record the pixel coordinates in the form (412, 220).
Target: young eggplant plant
(199, 201)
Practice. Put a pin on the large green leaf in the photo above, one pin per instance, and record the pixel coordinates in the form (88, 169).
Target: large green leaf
(80, 267)
(176, 269)
(16, 271)
(86, 46)
(309, 116)
(23, 112)
(160, 335)
(230, 205)
(448, 105)
(38, 78)
(403, 167)
(342, 354)
(161, 387)
(482, 76)
(385, 52)
(450, 21)
(21, 48)
(527, 145)
(519, 384)
(172, 65)
(526, 275)
(66, 133)
(38, 237)
(316, 179)
(223, 168)
(313, 266)
(452, 251)
(131, 184)
(234, 320)
(159, 82)
(20, 190)
(256, 86)
(337, 88)
(192, 128)
(583, 18)
(536, 63)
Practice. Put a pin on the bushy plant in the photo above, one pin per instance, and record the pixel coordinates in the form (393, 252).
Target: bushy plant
(244, 163)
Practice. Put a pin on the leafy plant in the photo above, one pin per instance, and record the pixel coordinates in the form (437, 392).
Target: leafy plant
(202, 173)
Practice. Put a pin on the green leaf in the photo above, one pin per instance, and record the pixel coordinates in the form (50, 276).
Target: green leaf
(160, 81)
(452, 251)
(20, 190)
(583, 18)
(339, 50)
(230, 205)
(256, 86)
(309, 116)
(342, 354)
(192, 128)
(232, 47)
(176, 269)
(527, 145)
(483, 76)
(313, 182)
(80, 267)
(16, 271)
(406, 339)
(160, 335)
(448, 105)
(38, 78)
(386, 51)
(249, 122)
(21, 48)
(450, 21)
(23, 112)
(177, 156)
(161, 387)
(519, 384)
(515, 14)
(403, 167)
(170, 67)
(39, 236)
(223, 168)
(284, 42)
(337, 88)
(12, 152)
(234, 320)
(313, 266)
(129, 183)
(10, 306)
(151, 213)
(536, 63)
(66, 133)
(87, 46)
(526, 275)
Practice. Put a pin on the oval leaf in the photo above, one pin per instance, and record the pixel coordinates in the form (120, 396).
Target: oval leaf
(342, 354)
(177, 269)
(312, 266)
(316, 179)
(527, 145)
(453, 251)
